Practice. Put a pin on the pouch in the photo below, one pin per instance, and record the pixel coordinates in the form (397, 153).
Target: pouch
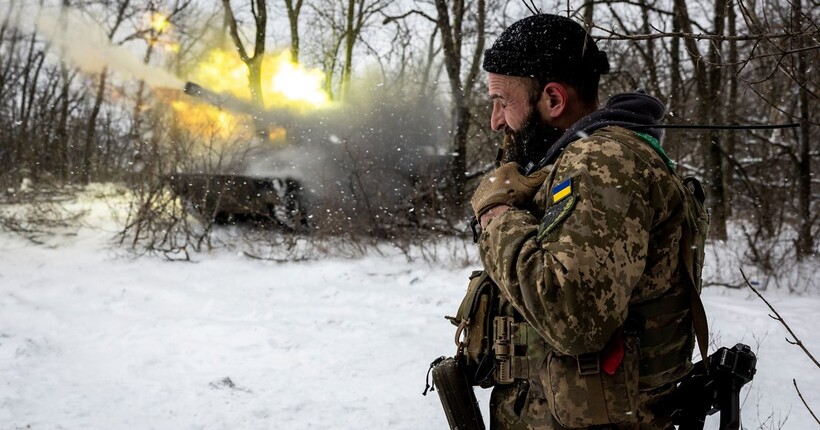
(474, 321)
(581, 394)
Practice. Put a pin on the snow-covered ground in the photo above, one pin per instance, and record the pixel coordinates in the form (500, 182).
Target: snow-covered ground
(91, 338)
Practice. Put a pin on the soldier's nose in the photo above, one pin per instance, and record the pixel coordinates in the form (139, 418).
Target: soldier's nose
(497, 121)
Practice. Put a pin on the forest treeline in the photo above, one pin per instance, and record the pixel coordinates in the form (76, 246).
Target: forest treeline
(712, 62)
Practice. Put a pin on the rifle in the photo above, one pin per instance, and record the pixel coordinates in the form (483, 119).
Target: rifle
(716, 388)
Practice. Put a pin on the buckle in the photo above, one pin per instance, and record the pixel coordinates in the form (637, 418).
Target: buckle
(589, 364)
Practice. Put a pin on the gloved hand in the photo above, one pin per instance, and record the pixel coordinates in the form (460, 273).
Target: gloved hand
(506, 186)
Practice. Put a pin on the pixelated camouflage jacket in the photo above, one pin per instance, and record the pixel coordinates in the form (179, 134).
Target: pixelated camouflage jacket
(572, 264)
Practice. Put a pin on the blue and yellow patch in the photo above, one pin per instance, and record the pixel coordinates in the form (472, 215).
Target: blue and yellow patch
(563, 201)
(561, 191)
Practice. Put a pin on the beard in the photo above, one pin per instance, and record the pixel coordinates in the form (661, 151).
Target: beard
(531, 143)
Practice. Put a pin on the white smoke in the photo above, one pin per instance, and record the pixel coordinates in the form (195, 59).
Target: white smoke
(85, 44)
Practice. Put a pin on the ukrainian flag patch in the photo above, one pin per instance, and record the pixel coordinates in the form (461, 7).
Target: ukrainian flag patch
(561, 191)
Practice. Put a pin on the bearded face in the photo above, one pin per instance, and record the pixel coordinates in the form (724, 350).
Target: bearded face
(531, 142)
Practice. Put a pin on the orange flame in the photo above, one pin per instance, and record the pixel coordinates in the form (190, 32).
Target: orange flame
(208, 121)
(161, 33)
(285, 84)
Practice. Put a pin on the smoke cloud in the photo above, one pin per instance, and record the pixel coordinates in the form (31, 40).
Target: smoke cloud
(367, 155)
(84, 43)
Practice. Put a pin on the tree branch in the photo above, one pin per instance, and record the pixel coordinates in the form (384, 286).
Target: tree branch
(799, 394)
(615, 35)
(389, 19)
(780, 319)
(240, 48)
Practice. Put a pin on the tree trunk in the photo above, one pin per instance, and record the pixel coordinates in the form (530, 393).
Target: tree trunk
(293, 20)
(136, 123)
(31, 78)
(61, 133)
(651, 63)
(675, 100)
(708, 85)
(805, 239)
(91, 129)
(253, 62)
(714, 113)
(460, 110)
(255, 81)
(732, 100)
(350, 39)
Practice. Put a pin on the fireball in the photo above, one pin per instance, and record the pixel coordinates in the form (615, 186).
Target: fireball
(161, 32)
(208, 121)
(159, 22)
(296, 83)
(285, 84)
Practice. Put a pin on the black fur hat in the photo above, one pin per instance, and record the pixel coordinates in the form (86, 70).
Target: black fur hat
(545, 45)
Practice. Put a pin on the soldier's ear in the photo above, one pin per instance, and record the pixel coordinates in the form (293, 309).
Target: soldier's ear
(553, 100)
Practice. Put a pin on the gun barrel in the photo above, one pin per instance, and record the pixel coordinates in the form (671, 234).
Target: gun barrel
(193, 89)
(236, 105)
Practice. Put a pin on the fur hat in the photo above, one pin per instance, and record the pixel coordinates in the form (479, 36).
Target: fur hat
(545, 45)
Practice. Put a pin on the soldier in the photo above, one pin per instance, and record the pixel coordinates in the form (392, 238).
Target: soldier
(587, 251)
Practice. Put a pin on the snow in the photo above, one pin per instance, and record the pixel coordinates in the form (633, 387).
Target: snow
(92, 337)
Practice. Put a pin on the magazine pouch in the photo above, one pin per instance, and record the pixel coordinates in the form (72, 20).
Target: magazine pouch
(595, 388)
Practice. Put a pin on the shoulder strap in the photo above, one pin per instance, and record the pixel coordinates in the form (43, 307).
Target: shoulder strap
(693, 190)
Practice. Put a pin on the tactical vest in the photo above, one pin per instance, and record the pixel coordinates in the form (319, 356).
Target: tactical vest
(496, 346)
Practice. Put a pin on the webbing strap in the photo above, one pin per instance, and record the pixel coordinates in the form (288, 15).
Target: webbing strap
(699, 321)
(701, 326)
(597, 398)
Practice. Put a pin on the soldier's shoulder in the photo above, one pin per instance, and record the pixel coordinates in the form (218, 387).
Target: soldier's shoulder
(615, 148)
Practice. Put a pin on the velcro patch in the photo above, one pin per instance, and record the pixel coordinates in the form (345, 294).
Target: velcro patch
(561, 191)
(555, 215)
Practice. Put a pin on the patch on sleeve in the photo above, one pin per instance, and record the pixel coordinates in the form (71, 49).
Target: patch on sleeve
(561, 191)
(563, 202)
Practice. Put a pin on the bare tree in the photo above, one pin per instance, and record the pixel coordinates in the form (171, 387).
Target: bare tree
(344, 22)
(452, 23)
(123, 12)
(708, 81)
(805, 239)
(254, 60)
(294, 9)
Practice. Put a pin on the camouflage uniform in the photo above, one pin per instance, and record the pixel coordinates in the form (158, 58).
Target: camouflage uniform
(575, 281)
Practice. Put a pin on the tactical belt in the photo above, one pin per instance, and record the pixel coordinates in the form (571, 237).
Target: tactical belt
(520, 351)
